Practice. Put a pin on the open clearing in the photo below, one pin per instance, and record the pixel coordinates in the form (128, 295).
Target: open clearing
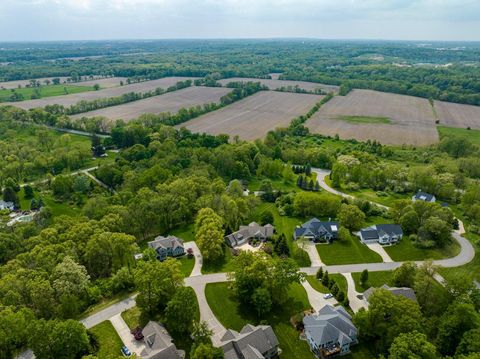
(103, 82)
(45, 91)
(411, 118)
(254, 116)
(457, 115)
(275, 84)
(169, 102)
(69, 100)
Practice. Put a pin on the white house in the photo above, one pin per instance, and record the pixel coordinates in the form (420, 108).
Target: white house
(381, 233)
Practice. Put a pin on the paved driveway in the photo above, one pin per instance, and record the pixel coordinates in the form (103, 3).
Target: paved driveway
(197, 268)
(355, 302)
(128, 340)
(316, 298)
(378, 248)
(107, 313)
(311, 249)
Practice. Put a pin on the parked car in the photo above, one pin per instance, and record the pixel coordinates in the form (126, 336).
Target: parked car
(126, 352)
(137, 333)
(328, 296)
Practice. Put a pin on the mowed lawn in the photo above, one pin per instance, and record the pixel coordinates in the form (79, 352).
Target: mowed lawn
(471, 135)
(109, 342)
(233, 315)
(349, 251)
(187, 264)
(375, 279)
(45, 91)
(407, 251)
(319, 287)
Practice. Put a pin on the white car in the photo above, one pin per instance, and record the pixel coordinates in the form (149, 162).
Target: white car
(328, 296)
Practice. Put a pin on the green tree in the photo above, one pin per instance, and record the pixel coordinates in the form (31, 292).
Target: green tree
(266, 218)
(181, 310)
(209, 234)
(404, 276)
(14, 330)
(470, 343)
(70, 278)
(325, 279)
(201, 333)
(412, 345)
(57, 339)
(206, 351)
(351, 217)
(28, 192)
(157, 283)
(364, 277)
(262, 301)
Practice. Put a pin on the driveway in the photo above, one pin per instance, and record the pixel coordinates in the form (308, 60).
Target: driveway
(378, 248)
(197, 268)
(107, 313)
(207, 315)
(311, 249)
(128, 340)
(316, 298)
(355, 303)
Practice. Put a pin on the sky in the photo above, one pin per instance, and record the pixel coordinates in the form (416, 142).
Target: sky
(35, 20)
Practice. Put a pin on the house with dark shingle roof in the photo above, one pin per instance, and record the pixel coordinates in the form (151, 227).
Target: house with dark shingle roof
(246, 233)
(406, 292)
(170, 246)
(330, 331)
(381, 233)
(423, 196)
(253, 342)
(317, 231)
(159, 344)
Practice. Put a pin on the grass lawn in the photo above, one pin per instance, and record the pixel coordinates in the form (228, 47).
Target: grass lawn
(349, 251)
(104, 304)
(360, 351)
(186, 233)
(58, 207)
(375, 279)
(221, 266)
(232, 314)
(109, 342)
(285, 225)
(471, 135)
(364, 119)
(405, 250)
(341, 281)
(45, 91)
(187, 264)
(317, 284)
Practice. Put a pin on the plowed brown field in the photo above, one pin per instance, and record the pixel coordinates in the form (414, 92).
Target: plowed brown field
(254, 116)
(69, 100)
(274, 84)
(458, 115)
(169, 102)
(412, 118)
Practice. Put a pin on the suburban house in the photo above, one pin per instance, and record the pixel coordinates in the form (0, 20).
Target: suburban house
(317, 231)
(330, 331)
(170, 246)
(381, 233)
(403, 291)
(250, 232)
(6, 205)
(423, 196)
(158, 343)
(253, 342)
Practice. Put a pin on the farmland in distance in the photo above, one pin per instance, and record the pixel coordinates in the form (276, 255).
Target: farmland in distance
(169, 102)
(275, 84)
(254, 116)
(395, 119)
(457, 115)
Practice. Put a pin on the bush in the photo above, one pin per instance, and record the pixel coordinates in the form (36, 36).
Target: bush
(340, 296)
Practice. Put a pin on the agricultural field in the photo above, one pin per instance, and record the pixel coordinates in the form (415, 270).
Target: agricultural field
(457, 115)
(275, 84)
(253, 117)
(8, 85)
(107, 82)
(26, 93)
(169, 102)
(388, 118)
(69, 100)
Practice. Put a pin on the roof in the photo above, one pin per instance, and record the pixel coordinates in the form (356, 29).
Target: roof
(317, 228)
(158, 343)
(424, 196)
(166, 242)
(390, 229)
(6, 205)
(250, 231)
(406, 292)
(250, 343)
(331, 324)
(379, 230)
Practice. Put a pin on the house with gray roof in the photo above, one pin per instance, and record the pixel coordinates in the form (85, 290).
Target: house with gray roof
(330, 332)
(170, 246)
(381, 233)
(406, 292)
(6, 205)
(158, 343)
(253, 342)
(423, 196)
(317, 231)
(250, 232)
